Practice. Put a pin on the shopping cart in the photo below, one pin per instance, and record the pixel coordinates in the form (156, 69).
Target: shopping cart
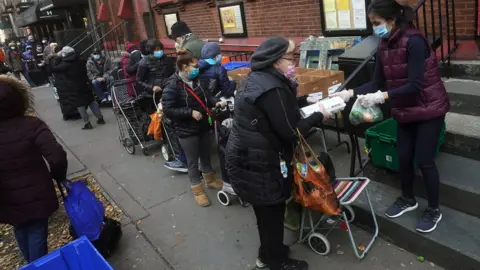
(133, 120)
(347, 191)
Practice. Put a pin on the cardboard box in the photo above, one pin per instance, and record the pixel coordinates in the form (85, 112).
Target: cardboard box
(301, 71)
(238, 75)
(319, 80)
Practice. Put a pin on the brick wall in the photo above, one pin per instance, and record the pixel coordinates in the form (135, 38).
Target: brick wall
(291, 18)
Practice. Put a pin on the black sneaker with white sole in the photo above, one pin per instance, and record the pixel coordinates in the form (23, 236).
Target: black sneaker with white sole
(401, 206)
(429, 220)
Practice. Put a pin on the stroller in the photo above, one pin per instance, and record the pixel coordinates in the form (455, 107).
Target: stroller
(223, 126)
(133, 120)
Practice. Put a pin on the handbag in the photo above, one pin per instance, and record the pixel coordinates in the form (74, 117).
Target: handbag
(84, 209)
(312, 185)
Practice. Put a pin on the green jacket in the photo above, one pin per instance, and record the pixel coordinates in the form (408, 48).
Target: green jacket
(194, 45)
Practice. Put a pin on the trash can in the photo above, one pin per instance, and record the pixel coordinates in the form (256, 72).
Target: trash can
(348, 62)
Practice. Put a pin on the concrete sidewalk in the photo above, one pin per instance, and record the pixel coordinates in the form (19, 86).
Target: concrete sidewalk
(165, 228)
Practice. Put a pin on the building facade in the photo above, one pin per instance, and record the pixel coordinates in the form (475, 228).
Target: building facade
(295, 19)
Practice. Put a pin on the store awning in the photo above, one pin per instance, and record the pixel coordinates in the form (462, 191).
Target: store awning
(33, 15)
(102, 14)
(125, 11)
(51, 4)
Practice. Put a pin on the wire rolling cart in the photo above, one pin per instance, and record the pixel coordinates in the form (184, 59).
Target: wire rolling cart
(347, 190)
(132, 120)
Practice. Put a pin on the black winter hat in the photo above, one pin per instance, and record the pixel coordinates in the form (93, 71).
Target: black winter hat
(179, 29)
(269, 52)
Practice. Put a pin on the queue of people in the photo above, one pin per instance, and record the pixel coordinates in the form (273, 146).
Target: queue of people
(264, 131)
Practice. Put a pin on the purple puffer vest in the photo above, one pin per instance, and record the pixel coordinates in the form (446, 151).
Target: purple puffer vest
(432, 102)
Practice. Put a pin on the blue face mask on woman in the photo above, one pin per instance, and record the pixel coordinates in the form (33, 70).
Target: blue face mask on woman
(382, 31)
(193, 74)
(158, 54)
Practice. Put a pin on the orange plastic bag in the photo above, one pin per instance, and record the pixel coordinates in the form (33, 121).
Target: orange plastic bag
(155, 127)
(312, 182)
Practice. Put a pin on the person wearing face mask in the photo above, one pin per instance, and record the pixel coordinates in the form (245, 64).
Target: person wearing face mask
(212, 71)
(98, 70)
(154, 70)
(185, 39)
(407, 73)
(267, 115)
(14, 60)
(187, 103)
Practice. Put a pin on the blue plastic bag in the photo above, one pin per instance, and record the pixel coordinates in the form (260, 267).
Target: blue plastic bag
(85, 211)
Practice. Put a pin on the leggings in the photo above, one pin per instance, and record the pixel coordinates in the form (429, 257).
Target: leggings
(419, 140)
(196, 147)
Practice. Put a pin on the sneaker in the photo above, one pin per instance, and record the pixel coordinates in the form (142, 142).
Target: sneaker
(87, 126)
(401, 206)
(101, 121)
(109, 98)
(176, 165)
(260, 264)
(429, 220)
(104, 100)
(291, 264)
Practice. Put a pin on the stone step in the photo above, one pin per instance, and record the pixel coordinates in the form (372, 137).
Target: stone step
(463, 120)
(459, 182)
(461, 70)
(455, 244)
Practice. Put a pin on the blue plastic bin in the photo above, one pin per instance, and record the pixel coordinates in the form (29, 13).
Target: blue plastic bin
(77, 255)
(236, 65)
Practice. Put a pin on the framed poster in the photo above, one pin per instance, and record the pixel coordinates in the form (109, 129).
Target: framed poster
(232, 20)
(170, 19)
(345, 18)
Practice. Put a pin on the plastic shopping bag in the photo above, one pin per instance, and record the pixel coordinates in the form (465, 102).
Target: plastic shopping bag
(312, 183)
(155, 127)
(84, 210)
(360, 114)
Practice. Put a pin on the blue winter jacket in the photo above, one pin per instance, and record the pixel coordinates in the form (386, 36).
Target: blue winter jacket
(217, 72)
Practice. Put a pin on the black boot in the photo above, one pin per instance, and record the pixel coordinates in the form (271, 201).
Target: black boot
(87, 126)
(101, 121)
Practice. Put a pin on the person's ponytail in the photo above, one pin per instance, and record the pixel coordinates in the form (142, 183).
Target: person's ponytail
(407, 14)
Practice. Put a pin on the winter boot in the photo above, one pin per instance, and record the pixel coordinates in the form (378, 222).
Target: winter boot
(87, 126)
(212, 181)
(101, 121)
(200, 196)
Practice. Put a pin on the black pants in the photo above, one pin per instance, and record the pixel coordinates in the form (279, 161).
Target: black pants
(270, 228)
(419, 140)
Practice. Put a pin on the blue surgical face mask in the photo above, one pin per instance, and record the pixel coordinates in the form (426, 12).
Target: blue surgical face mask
(382, 31)
(97, 57)
(158, 54)
(193, 74)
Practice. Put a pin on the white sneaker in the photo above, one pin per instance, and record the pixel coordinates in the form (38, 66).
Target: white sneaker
(109, 98)
(104, 100)
(260, 264)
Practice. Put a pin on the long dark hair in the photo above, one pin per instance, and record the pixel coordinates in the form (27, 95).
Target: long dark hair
(392, 10)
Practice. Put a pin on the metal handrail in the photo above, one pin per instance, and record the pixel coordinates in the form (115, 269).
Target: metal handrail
(416, 8)
(104, 37)
(89, 31)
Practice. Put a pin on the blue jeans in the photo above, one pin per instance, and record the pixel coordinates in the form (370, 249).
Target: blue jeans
(32, 239)
(100, 90)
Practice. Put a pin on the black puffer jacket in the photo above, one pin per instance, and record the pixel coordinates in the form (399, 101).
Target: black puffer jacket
(154, 72)
(71, 81)
(266, 114)
(178, 105)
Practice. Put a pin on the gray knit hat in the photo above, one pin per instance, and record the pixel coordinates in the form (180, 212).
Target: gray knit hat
(67, 50)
